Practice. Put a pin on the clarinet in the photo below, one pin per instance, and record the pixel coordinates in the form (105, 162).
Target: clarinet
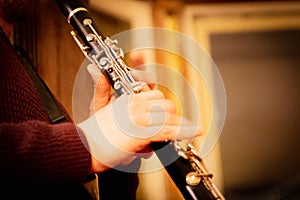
(184, 166)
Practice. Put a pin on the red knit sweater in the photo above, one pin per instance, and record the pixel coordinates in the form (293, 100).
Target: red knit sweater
(35, 156)
(39, 157)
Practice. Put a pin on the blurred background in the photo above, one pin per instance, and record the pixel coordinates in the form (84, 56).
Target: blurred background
(256, 47)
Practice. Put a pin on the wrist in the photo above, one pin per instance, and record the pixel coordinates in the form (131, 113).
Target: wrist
(105, 153)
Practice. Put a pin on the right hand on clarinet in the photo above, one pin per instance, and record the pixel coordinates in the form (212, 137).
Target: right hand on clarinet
(120, 130)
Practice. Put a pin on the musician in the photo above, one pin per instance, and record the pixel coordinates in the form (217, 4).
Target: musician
(40, 159)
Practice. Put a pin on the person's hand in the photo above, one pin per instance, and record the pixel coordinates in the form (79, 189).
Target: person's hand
(103, 91)
(119, 131)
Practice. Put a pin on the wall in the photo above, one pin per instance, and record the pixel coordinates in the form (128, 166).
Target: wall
(256, 48)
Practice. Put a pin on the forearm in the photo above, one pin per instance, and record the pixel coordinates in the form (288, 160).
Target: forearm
(43, 153)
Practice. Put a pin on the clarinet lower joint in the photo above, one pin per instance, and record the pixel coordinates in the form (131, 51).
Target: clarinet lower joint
(199, 173)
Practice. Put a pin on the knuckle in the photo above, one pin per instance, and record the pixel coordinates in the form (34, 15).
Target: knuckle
(159, 94)
(171, 105)
(141, 120)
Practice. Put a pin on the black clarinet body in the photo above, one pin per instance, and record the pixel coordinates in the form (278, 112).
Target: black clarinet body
(184, 166)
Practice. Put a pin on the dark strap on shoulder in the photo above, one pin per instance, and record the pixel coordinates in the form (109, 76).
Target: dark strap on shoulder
(54, 112)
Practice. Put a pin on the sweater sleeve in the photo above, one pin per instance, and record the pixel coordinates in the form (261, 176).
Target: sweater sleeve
(42, 153)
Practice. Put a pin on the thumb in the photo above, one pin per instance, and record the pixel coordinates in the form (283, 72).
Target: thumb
(94, 72)
(102, 88)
